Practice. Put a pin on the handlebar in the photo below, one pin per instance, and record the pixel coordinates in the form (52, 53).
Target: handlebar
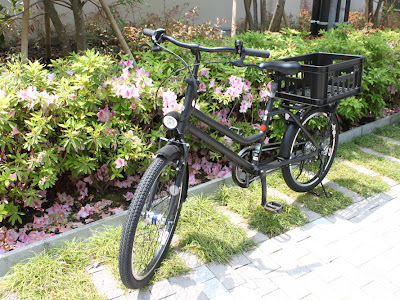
(158, 36)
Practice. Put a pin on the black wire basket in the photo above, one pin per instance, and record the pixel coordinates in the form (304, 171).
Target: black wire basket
(324, 78)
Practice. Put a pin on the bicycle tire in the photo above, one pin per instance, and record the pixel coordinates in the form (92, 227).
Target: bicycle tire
(148, 228)
(307, 174)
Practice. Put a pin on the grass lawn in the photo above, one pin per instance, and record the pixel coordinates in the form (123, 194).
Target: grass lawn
(247, 202)
(378, 144)
(390, 131)
(361, 184)
(317, 201)
(380, 165)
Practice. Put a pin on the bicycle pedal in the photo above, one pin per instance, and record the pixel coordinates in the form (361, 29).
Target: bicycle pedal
(273, 207)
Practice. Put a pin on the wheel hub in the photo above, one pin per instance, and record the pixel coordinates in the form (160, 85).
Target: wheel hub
(155, 218)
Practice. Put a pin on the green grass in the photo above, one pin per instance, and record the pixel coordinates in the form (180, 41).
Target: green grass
(316, 201)
(361, 184)
(378, 144)
(380, 165)
(54, 274)
(390, 131)
(247, 202)
(61, 273)
(207, 233)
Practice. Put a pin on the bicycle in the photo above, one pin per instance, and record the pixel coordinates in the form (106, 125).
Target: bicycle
(308, 107)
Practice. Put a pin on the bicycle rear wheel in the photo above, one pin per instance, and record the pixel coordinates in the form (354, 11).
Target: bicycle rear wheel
(151, 221)
(323, 126)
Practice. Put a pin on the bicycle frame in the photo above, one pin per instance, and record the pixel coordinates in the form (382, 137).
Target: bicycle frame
(253, 168)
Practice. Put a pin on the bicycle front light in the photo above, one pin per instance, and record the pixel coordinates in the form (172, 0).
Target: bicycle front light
(171, 120)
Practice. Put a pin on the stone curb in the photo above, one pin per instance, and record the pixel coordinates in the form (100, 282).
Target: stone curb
(7, 260)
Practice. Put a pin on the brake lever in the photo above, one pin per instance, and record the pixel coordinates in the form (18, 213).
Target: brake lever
(240, 63)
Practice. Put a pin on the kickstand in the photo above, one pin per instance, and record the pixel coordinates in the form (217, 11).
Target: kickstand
(272, 206)
(327, 195)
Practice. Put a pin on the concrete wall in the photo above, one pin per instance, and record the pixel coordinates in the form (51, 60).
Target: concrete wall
(209, 10)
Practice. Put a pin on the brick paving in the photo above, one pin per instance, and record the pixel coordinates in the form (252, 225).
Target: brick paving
(353, 254)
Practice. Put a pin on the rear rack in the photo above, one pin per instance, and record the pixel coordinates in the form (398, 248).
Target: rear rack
(324, 78)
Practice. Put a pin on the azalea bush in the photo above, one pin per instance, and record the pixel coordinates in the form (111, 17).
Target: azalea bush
(78, 134)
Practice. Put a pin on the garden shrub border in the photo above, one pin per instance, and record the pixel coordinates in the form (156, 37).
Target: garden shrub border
(8, 259)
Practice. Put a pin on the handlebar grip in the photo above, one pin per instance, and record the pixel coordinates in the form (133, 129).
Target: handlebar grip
(256, 52)
(148, 32)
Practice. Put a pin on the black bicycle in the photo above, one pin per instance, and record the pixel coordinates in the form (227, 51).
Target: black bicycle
(308, 87)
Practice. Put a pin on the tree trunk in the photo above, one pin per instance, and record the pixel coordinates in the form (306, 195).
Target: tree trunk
(47, 38)
(369, 8)
(277, 17)
(79, 19)
(58, 26)
(255, 14)
(117, 32)
(25, 30)
(233, 27)
(249, 17)
(263, 13)
(375, 17)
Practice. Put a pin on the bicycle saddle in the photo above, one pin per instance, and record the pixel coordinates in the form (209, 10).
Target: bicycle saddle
(285, 67)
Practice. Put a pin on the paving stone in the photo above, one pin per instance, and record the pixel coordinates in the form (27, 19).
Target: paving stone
(239, 261)
(345, 289)
(106, 284)
(213, 288)
(277, 295)
(379, 290)
(262, 261)
(319, 249)
(229, 277)
(317, 286)
(366, 150)
(270, 246)
(201, 274)
(136, 295)
(162, 289)
(256, 280)
(292, 287)
(243, 292)
(350, 272)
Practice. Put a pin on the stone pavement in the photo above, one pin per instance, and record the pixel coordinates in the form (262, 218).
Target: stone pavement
(354, 254)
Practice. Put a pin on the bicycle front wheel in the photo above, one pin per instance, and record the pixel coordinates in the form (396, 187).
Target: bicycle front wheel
(151, 221)
(305, 175)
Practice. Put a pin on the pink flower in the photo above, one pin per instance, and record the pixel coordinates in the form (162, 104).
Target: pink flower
(202, 87)
(104, 115)
(128, 92)
(51, 76)
(141, 72)
(13, 176)
(117, 210)
(260, 113)
(244, 106)
(42, 181)
(169, 102)
(11, 237)
(120, 162)
(218, 90)
(85, 211)
(192, 179)
(15, 131)
(128, 196)
(392, 90)
(212, 83)
(248, 97)
(126, 63)
(29, 93)
(70, 73)
(205, 73)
